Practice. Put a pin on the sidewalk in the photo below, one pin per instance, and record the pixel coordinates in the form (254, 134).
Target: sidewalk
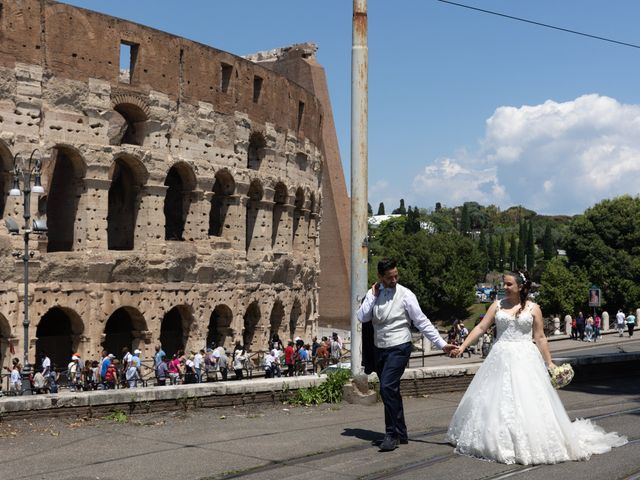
(438, 375)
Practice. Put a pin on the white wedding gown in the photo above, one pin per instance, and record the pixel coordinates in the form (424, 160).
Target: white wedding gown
(511, 414)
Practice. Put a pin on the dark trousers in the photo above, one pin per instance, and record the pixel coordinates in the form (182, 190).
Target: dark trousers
(390, 365)
(580, 330)
(630, 327)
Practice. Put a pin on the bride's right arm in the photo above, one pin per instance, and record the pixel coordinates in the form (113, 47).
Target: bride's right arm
(477, 332)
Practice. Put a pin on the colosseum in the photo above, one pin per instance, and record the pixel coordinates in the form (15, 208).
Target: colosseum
(183, 191)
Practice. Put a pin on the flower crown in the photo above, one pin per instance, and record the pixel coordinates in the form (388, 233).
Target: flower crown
(524, 279)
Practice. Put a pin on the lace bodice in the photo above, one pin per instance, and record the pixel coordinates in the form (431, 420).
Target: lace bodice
(510, 328)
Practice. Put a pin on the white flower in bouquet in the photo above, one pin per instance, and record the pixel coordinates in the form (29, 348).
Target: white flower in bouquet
(561, 376)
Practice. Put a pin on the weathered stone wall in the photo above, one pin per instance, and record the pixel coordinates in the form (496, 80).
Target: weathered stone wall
(183, 197)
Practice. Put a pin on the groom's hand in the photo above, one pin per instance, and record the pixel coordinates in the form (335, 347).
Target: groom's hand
(448, 349)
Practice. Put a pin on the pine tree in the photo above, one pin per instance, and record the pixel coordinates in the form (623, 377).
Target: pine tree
(513, 253)
(381, 209)
(547, 243)
(531, 249)
(412, 224)
(522, 241)
(502, 253)
(465, 220)
(491, 253)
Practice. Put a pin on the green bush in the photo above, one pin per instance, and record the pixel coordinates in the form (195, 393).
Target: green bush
(328, 392)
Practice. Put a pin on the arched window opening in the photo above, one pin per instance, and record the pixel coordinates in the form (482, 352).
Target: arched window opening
(251, 319)
(65, 189)
(174, 330)
(124, 202)
(219, 326)
(255, 152)
(6, 177)
(223, 188)
(276, 318)
(253, 210)
(57, 334)
(294, 319)
(131, 128)
(5, 335)
(279, 208)
(120, 329)
(177, 201)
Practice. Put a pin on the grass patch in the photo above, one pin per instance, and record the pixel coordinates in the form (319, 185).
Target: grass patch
(328, 392)
(117, 416)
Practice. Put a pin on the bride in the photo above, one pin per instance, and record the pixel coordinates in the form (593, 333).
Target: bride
(510, 413)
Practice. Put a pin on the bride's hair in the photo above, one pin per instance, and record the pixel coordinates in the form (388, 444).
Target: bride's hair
(523, 280)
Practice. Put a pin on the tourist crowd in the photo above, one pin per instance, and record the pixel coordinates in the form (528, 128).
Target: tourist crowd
(128, 371)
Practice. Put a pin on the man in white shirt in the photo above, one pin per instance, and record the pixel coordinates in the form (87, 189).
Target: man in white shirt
(393, 308)
(198, 359)
(620, 321)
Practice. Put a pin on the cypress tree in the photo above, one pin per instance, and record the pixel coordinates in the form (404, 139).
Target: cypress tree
(369, 209)
(491, 253)
(531, 248)
(465, 220)
(502, 253)
(381, 209)
(513, 253)
(547, 243)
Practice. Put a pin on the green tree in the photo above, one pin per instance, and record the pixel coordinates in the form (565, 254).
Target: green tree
(547, 243)
(412, 224)
(562, 291)
(522, 241)
(369, 209)
(605, 242)
(401, 210)
(502, 253)
(513, 253)
(530, 249)
(465, 220)
(381, 209)
(491, 253)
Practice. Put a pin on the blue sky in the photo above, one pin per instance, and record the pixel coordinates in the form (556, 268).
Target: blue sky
(462, 105)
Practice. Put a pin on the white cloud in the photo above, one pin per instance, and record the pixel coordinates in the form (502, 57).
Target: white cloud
(553, 158)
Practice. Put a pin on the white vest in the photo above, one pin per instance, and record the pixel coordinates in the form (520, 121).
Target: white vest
(390, 321)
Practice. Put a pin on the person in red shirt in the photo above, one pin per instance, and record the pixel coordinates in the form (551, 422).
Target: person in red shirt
(289, 358)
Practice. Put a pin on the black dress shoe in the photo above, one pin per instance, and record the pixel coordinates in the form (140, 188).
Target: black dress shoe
(403, 440)
(388, 444)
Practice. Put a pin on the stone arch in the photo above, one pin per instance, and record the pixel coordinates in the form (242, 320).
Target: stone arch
(124, 328)
(219, 326)
(276, 318)
(280, 197)
(66, 186)
(58, 334)
(180, 182)
(294, 319)
(128, 176)
(6, 177)
(254, 197)
(298, 215)
(5, 335)
(224, 186)
(134, 114)
(175, 328)
(255, 151)
(251, 319)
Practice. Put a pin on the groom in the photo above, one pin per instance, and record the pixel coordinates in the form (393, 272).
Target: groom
(392, 308)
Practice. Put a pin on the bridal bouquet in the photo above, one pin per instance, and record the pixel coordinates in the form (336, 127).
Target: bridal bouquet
(561, 376)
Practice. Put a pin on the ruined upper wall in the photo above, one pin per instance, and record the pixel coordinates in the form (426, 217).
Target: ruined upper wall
(78, 44)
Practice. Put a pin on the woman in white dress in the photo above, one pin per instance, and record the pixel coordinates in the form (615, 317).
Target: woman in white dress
(510, 413)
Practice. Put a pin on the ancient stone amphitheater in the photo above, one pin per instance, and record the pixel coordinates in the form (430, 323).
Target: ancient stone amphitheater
(183, 191)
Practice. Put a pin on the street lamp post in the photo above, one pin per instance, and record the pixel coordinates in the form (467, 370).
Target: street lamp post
(24, 170)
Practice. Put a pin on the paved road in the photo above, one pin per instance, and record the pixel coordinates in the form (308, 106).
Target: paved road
(332, 442)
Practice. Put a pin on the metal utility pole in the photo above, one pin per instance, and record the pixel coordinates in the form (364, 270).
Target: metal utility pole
(359, 174)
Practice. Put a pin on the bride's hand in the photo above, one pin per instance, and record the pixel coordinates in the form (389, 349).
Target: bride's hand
(551, 366)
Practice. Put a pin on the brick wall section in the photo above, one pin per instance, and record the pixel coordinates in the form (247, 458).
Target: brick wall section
(61, 92)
